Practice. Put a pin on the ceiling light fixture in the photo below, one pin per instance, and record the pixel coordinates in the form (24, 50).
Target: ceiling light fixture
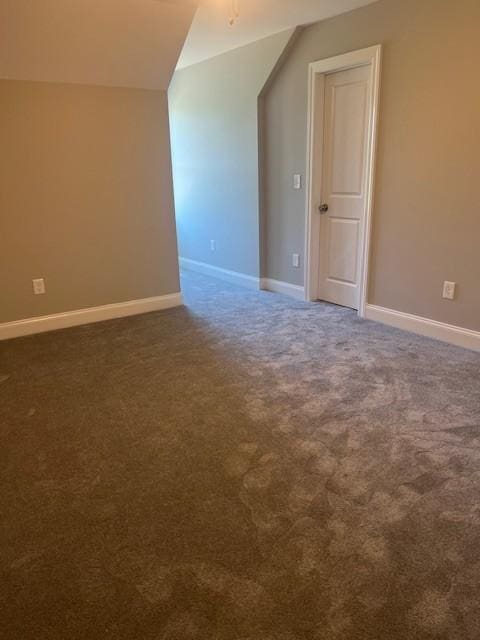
(234, 12)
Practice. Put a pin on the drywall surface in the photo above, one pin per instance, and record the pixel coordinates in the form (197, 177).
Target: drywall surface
(214, 128)
(86, 197)
(426, 222)
(119, 43)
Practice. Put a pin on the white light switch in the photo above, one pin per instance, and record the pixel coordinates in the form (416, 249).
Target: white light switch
(449, 290)
(297, 181)
(295, 260)
(213, 245)
(38, 286)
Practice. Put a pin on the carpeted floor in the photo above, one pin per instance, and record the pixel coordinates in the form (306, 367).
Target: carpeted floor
(245, 468)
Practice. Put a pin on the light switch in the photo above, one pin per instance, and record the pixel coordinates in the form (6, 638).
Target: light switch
(297, 181)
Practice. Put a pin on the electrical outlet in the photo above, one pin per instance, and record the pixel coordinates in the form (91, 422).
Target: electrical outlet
(297, 181)
(295, 260)
(213, 245)
(449, 290)
(38, 286)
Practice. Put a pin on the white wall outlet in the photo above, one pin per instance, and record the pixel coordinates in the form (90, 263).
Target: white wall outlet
(297, 181)
(213, 245)
(449, 290)
(38, 286)
(295, 260)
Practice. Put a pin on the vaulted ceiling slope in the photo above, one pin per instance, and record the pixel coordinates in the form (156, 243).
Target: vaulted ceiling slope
(211, 34)
(123, 43)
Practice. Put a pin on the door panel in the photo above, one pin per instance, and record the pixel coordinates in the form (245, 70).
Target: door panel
(348, 135)
(342, 261)
(346, 121)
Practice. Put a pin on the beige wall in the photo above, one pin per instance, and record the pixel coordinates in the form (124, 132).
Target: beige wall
(85, 197)
(427, 207)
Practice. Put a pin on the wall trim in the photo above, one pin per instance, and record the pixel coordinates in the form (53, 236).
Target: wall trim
(242, 279)
(234, 277)
(458, 336)
(285, 288)
(66, 319)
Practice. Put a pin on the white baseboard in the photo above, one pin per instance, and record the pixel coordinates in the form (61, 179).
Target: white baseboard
(234, 277)
(466, 338)
(242, 279)
(287, 289)
(86, 316)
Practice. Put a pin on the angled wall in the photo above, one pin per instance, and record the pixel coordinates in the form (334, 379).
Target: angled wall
(86, 194)
(214, 130)
(426, 212)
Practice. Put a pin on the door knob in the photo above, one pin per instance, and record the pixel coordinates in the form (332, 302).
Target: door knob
(323, 208)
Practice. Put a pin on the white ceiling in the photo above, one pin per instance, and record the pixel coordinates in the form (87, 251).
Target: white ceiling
(211, 35)
(124, 43)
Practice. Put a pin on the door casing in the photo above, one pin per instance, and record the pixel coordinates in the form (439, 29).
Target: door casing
(317, 72)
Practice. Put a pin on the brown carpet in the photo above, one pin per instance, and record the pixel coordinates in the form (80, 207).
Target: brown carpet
(245, 468)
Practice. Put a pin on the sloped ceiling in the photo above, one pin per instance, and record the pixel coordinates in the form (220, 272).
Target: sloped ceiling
(211, 34)
(123, 43)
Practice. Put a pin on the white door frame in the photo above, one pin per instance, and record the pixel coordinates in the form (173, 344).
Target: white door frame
(316, 95)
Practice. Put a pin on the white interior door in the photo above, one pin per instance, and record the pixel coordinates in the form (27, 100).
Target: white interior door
(346, 122)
